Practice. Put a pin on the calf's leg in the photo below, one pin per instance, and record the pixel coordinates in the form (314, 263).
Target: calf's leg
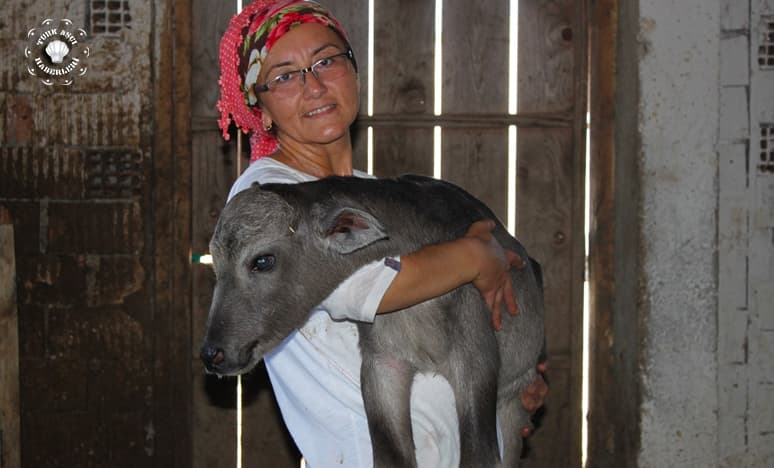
(475, 391)
(512, 417)
(386, 385)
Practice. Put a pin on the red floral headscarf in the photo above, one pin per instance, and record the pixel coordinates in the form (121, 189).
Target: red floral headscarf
(243, 49)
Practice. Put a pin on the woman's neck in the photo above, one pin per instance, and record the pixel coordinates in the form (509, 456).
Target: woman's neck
(317, 160)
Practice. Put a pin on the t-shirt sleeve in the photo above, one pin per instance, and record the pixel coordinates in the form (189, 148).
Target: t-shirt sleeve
(358, 297)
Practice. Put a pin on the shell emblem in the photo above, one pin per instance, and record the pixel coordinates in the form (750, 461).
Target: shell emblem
(57, 50)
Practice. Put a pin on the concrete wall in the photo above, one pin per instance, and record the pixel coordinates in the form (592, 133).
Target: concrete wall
(678, 108)
(695, 233)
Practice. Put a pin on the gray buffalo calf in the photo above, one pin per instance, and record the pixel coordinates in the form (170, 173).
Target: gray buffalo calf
(279, 250)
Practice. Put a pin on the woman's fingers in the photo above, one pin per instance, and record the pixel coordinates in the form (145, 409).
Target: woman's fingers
(497, 319)
(481, 229)
(493, 281)
(496, 310)
(533, 395)
(515, 260)
(510, 296)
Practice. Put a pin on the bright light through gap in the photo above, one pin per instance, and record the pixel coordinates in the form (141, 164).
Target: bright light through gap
(438, 56)
(512, 134)
(437, 152)
(370, 149)
(586, 318)
(437, 86)
(239, 421)
(239, 377)
(513, 59)
(370, 88)
(513, 75)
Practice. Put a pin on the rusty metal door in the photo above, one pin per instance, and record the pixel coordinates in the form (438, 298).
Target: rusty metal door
(95, 177)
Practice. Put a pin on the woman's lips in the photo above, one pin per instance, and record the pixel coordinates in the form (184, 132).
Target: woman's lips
(320, 110)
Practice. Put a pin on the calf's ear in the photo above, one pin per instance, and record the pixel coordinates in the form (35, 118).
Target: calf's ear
(346, 230)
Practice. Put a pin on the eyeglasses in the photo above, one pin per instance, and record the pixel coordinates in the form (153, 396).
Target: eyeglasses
(325, 69)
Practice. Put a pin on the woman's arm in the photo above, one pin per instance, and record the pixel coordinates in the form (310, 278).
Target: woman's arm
(437, 269)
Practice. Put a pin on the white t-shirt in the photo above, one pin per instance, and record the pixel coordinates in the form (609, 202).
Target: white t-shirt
(315, 372)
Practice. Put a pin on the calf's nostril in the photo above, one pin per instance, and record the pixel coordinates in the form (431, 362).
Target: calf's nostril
(211, 354)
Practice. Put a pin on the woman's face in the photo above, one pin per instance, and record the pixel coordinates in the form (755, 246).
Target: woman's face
(319, 112)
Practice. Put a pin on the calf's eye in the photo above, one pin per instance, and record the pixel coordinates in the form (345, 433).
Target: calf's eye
(262, 263)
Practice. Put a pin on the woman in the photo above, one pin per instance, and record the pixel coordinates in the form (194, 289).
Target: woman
(288, 76)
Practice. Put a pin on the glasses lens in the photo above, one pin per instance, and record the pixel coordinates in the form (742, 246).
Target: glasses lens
(285, 81)
(331, 67)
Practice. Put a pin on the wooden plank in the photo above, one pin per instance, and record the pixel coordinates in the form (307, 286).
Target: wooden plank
(403, 83)
(476, 83)
(171, 232)
(475, 56)
(477, 160)
(353, 17)
(545, 223)
(214, 168)
(578, 38)
(468, 120)
(210, 19)
(550, 192)
(547, 47)
(10, 433)
(403, 151)
(602, 388)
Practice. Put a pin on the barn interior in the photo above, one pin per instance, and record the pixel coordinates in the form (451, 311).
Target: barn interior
(628, 144)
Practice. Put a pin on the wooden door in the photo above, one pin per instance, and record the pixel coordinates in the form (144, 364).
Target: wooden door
(471, 134)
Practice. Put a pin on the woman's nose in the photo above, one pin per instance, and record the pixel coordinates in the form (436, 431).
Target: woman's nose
(313, 85)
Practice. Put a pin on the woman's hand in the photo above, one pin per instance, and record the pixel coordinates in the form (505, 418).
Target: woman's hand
(533, 395)
(493, 280)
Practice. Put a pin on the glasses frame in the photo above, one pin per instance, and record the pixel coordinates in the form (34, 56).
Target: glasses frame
(303, 71)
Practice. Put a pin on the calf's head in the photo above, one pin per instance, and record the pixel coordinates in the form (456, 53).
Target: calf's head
(274, 261)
